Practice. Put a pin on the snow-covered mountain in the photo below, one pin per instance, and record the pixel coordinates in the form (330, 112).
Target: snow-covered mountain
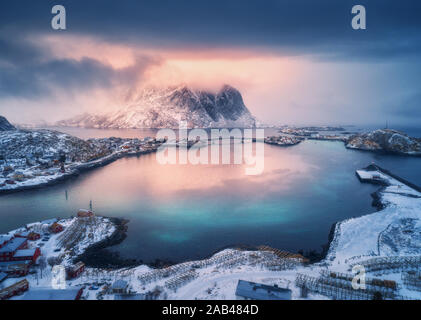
(5, 125)
(166, 108)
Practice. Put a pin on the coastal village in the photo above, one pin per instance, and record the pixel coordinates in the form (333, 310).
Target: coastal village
(49, 156)
(290, 136)
(385, 243)
(35, 158)
(42, 260)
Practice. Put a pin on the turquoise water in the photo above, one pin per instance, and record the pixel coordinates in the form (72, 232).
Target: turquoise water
(181, 212)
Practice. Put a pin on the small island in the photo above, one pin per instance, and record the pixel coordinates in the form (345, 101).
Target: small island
(386, 140)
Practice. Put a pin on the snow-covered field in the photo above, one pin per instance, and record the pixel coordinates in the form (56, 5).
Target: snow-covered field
(387, 243)
(61, 248)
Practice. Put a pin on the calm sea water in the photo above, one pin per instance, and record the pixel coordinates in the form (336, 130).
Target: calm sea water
(182, 212)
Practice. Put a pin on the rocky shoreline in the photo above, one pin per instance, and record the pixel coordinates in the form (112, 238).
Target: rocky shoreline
(387, 141)
(99, 256)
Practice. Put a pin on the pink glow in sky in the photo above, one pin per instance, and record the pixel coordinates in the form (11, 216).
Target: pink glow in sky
(277, 88)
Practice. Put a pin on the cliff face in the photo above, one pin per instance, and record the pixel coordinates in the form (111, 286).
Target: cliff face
(166, 108)
(5, 125)
(385, 140)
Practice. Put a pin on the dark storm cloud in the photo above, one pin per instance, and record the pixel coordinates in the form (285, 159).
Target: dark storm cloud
(291, 26)
(27, 70)
(318, 28)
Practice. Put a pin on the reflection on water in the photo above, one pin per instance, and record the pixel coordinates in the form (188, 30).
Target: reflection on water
(181, 212)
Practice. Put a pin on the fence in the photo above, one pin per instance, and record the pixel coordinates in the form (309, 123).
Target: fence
(412, 280)
(339, 287)
(390, 264)
(181, 280)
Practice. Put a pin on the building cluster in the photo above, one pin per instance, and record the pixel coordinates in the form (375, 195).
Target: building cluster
(302, 132)
(135, 145)
(15, 261)
(15, 248)
(18, 257)
(283, 140)
(39, 165)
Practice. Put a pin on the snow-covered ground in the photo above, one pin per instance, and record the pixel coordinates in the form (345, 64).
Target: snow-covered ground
(387, 243)
(61, 248)
(376, 234)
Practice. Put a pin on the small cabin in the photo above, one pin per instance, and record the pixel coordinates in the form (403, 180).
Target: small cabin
(32, 236)
(4, 239)
(27, 254)
(8, 250)
(15, 289)
(82, 213)
(76, 270)
(119, 287)
(15, 268)
(56, 227)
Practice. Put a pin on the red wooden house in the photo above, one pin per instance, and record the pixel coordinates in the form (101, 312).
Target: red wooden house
(33, 236)
(15, 289)
(56, 227)
(15, 268)
(75, 270)
(82, 213)
(27, 254)
(28, 235)
(4, 239)
(8, 250)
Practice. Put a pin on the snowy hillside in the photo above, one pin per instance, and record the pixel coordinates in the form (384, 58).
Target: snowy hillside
(5, 125)
(37, 146)
(166, 108)
(30, 158)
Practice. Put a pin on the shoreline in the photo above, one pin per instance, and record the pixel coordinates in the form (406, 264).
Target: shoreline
(113, 259)
(97, 254)
(380, 201)
(351, 242)
(76, 170)
(334, 231)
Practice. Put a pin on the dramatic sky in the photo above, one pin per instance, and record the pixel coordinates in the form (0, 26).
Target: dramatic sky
(295, 61)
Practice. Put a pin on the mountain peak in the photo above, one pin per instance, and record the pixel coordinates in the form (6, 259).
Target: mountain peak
(167, 107)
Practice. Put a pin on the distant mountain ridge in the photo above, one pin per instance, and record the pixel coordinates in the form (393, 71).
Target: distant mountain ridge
(166, 108)
(5, 124)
